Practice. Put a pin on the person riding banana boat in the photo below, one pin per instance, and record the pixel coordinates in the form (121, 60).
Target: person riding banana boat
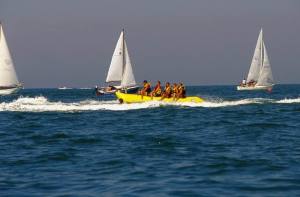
(146, 89)
(167, 93)
(156, 91)
(181, 91)
(174, 93)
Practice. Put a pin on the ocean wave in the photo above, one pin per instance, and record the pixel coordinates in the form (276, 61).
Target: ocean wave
(42, 104)
(287, 101)
(222, 103)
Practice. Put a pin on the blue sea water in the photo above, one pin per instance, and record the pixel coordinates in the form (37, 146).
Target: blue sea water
(72, 143)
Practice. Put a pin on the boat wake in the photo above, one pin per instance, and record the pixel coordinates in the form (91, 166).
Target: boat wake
(42, 104)
(287, 101)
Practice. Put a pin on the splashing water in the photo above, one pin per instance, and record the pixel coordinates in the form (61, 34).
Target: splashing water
(41, 104)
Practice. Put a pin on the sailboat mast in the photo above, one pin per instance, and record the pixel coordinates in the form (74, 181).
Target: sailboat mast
(261, 49)
(123, 51)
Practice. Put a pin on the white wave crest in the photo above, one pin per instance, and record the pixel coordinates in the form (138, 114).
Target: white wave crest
(42, 104)
(287, 101)
(220, 103)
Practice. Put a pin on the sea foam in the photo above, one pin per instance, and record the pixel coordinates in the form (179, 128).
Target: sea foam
(287, 101)
(42, 104)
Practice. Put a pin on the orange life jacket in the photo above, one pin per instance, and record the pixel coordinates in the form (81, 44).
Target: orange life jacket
(157, 89)
(168, 91)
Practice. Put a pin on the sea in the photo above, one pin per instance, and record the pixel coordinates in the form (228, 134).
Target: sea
(73, 143)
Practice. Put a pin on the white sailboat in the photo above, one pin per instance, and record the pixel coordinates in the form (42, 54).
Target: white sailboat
(120, 70)
(9, 82)
(260, 75)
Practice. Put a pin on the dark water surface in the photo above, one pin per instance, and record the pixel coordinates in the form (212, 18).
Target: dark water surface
(71, 143)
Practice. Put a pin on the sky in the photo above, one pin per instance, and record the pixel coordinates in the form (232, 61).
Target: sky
(200, 42)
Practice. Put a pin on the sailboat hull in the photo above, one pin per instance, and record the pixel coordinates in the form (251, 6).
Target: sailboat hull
(135, 98)
(255, 87)
(104, 90)
(7, 91)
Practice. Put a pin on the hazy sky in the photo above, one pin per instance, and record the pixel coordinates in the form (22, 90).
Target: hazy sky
(199, 42)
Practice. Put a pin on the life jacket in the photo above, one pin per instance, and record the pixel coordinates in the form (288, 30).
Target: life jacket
(147, 87)
(157, 89)
(175, 90)
(183, 91)
(179, 89)
(168, 91)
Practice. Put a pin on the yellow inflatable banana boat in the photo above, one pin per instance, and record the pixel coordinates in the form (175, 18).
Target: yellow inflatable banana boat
(136, 98)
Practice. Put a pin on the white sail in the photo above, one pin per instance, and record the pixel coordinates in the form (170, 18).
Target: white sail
(128, 77)
(8, 75)
(256, 60)
(116, 66)
(266, 76)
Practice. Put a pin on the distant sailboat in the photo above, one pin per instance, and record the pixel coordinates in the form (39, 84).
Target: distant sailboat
(120, 70)
(64, 88)
(260, 74)
(9, 82)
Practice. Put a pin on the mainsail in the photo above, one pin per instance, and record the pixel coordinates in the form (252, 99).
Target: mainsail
(8, 76)
(256, 61)
(115, 71)
(120, 69)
